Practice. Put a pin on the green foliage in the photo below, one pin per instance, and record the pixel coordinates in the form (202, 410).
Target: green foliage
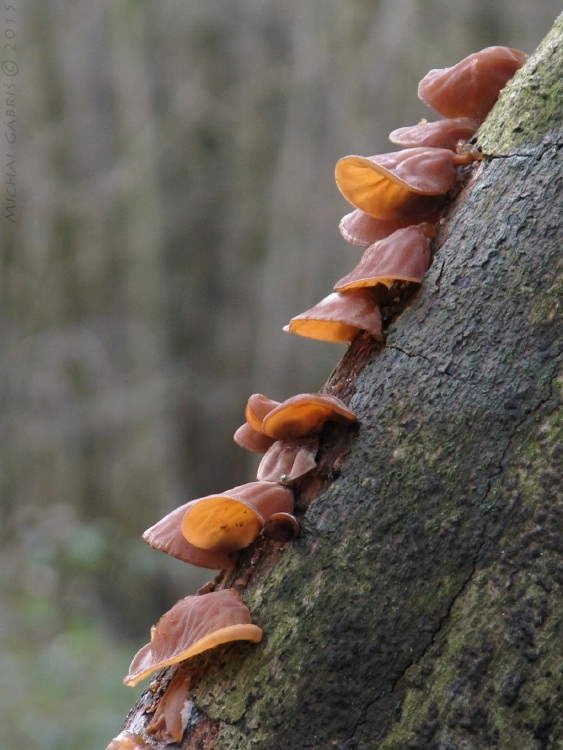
(63, 690)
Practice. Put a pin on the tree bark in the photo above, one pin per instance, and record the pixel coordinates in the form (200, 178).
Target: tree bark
(421, 606)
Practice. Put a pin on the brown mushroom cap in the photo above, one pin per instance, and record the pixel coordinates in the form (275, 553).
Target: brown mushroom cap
(232, 520)
(281, 527)
(340, 317)
(193, 625)
(470, 88)
(287, 460)
(166, 536)
(247, 437)
(405, 255)
(399, 185)
(170, 718)
(257, 408)
(441, 134)
(362, 230)
(305, 414)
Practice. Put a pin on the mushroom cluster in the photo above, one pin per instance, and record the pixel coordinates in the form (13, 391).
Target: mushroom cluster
(398, 199)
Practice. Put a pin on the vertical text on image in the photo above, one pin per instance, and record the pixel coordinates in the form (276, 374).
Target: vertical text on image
(9, 73)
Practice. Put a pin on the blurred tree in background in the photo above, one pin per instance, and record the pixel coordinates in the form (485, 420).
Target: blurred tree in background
(176, 206)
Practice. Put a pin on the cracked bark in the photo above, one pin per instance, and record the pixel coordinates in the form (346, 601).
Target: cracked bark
(421, 607)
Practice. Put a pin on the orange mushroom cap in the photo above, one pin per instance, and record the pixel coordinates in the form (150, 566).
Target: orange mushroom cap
(441, 134)
(405, 255)
(193, 625)
(247, 437)
(470, 88)
(257, 408)
(166, 536)
(399, 185)
(127, 740)
(305, 414)
(287, 460)
(362, 230)
(340, 317)
(233, 519)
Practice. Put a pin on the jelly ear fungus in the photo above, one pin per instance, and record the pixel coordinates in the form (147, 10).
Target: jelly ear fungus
(398, 197)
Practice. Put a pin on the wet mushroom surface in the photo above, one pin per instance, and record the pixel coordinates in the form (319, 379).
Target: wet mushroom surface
(193, 625)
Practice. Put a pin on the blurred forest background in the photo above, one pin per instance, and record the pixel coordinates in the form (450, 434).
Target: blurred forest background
(175, 207)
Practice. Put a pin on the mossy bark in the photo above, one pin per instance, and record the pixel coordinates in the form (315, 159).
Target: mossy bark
(421, 606)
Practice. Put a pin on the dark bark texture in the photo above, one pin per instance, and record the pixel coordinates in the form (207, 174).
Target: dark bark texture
(422, 605)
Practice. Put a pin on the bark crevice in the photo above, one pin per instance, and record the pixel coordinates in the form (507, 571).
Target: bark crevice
(439, 369)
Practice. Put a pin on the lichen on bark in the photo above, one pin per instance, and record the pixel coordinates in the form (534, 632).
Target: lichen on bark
(529, 108)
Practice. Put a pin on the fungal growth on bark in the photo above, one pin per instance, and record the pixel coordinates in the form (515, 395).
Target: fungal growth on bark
(440, 134)
(232, 520)
(362, 230)
(398, 197)
(470, 88)
(127, 740)
(305, 414)
(399, 185)
(257, 408)
(166, 536)
(404, 256)
(193, 625)
(247, 437)
(288, 460)
(173, 711)
(340, 317)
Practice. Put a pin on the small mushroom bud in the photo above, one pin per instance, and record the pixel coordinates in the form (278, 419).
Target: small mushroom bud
(399, 185)
(441, 134)
(305, 414)
(340, 317)
(166, 536)
(470, 88)
(193, 625)
(467, 152)
(281, 527)
(230, 521)
(405, 255)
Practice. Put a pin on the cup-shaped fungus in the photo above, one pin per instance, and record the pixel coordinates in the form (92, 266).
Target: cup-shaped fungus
(193, 625)
(305, 414)
(405, 255)
(166, 536)
(232, 520)
(340, 317)
(247, 437)
(287, 460)
(281, 527)
(399, 185)
(470, 88)
(362, 230)
(257, 408)
(441, 134)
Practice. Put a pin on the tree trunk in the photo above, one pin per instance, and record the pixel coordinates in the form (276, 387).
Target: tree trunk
(421, 606)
